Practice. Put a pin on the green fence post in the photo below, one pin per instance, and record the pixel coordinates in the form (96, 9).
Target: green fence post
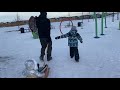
(102, 24)
(119, 25)
(105, 20)
(96, 28)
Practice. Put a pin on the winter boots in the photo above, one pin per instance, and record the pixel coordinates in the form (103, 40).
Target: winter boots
(48, 58)
(77, 58)
(46, 44)
(42, 58)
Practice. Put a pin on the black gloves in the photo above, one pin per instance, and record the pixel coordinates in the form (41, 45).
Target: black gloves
(58, 37)
(81, 41)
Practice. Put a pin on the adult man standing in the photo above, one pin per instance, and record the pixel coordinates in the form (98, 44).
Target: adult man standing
(43, 25)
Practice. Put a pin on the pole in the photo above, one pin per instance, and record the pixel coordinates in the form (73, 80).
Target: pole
(69, 17)
(119, 25)
(117, 15)
(102, 24)
(105, 19)
(93, 17)
(82, 17)
(82, 21)
(88, 16)
(96, 28)
(18, 19)
(113, 17)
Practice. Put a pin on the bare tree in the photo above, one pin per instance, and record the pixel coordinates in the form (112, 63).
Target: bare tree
(88, 16)
(82, 17)
(69, 17)
(17, 20)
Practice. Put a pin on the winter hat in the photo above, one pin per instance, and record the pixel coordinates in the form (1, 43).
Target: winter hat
(74, 28)
(43, 13)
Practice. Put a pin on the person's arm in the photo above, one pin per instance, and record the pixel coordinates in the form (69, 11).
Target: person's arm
(48, 24)
(79, 38)
(62, 36)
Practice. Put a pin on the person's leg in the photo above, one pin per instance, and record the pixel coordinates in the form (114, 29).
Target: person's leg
(49, 50)
(71, 52)
(76, 54)
(43, 47)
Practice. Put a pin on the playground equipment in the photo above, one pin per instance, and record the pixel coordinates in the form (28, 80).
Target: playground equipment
(102, 23)
(68, 19)
(117, 15)
(96, 27)
(105, 19)
(119, 25)
(118, 19)
(89, 17)
(113, 17)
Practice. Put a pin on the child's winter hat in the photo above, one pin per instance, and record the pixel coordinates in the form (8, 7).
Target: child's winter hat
(74, 28)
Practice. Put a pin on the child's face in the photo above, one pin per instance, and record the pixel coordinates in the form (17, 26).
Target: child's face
(74, 31)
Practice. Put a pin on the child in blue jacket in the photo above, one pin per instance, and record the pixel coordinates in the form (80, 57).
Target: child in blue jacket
(73, 38)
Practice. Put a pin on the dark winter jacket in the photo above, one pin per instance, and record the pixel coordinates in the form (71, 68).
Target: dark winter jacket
(73, 37)
(43, 25)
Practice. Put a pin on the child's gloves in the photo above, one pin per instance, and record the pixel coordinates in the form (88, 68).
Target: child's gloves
(58, 37)
(81, 41)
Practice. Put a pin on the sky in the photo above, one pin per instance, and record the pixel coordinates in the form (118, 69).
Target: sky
(11, 16)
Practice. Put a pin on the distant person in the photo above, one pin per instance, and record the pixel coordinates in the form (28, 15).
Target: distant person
(73, 38)
(44, 27)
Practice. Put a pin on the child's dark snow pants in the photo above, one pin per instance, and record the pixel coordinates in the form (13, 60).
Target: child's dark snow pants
(74, 52)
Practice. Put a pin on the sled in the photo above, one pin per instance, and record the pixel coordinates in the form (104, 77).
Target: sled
(44, 70)
(47, 73)
(33, 27)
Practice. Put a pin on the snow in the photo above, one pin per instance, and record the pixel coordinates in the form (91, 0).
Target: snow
(99, 58)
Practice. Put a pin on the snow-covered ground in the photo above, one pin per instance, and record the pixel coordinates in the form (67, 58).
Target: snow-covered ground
(99, 58)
